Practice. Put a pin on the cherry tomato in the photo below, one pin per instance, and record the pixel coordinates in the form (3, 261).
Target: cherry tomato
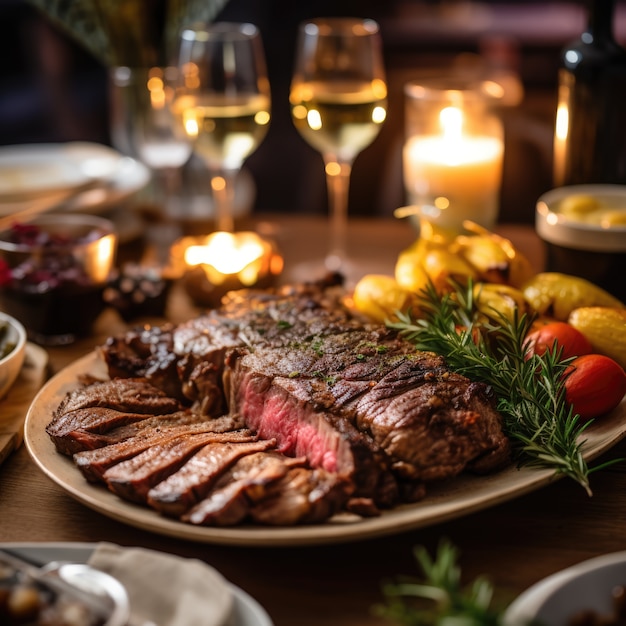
(594, 384)
(560, 334)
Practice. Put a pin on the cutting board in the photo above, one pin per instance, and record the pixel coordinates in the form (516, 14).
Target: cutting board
(14, 406)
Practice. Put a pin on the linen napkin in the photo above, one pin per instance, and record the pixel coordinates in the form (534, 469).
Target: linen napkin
(166, 589)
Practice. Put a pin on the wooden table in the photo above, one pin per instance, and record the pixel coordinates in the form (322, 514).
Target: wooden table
(515, 544)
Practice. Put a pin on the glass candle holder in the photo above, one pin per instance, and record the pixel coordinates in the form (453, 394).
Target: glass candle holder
(452, 157)
(212, 265)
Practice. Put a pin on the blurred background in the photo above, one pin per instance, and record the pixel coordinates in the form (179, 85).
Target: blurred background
(53, 90)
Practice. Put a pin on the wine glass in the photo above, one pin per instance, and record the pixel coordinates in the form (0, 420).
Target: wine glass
(143, 127)
(338, 103)
(223, 102)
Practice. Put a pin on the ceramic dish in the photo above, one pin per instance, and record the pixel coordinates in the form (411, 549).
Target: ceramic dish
(11, 363)
(94, 176)
(247, 611)
(586, 586)
(584, 230)
(453, 499)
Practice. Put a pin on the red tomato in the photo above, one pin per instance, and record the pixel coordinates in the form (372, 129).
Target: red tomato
(563, 335)
(594, 385)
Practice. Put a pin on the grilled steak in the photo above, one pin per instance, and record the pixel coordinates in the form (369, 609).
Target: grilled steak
(236, 491)
(375, 419)
(94, 463)
(194, 479)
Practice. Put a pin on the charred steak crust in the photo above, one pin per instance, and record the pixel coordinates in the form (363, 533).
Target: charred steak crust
(340, 415)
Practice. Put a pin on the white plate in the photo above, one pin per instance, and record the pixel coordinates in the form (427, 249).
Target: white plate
(33, 170)
(94, 176)
(453, 499)
(584, 586)
(247, 611)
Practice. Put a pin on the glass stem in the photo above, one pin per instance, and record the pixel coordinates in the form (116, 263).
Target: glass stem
(338, 181)
(223, 187)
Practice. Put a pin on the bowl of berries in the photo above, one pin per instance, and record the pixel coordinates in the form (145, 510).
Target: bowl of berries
(53, 271)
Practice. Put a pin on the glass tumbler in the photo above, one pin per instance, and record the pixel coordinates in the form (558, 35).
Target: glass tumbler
(53, 272)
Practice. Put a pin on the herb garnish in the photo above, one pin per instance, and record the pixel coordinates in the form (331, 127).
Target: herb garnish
(439, 598)
(543, 430)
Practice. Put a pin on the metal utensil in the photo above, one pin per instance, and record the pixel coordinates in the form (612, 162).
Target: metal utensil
(103, 594)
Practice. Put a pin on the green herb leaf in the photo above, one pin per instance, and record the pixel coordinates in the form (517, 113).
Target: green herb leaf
(439, 599)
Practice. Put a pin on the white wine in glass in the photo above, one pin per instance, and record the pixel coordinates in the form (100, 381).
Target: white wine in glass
(223, 101)
(338, 103)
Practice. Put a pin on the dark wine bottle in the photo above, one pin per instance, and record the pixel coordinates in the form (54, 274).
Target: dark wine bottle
(590, 130)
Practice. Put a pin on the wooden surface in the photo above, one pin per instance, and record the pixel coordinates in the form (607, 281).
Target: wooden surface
(515, 544)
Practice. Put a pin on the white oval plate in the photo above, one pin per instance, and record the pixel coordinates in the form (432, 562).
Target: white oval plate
(39, 170)
(247, 611)
(452, 499)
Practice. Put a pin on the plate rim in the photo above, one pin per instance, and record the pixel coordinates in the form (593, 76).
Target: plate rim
(447, 501)
(244, 603)
(529, 602)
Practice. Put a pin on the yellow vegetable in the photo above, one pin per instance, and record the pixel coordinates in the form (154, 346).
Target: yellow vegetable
(494, 300)
(409, 271)
(494, 257)
(557, 295)
(486, 256)
(380, 297)
(605, 328)
(443, 266)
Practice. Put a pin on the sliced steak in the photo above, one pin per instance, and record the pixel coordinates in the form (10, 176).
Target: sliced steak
(194, 479)
(130, 395)
(133, 478)
(69, 431)
(303, 496)
(276, 408)
(246, 482)
(85, 440)
(94, 463)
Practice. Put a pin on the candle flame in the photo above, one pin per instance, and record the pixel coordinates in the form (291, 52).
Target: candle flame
(228, 253)
(451, 119)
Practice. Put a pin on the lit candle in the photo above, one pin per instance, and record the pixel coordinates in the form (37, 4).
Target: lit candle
(452, 173)
(214, 264)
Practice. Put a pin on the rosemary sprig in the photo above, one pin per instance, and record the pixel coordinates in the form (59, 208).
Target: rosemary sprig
(439, 599)
(543, 430)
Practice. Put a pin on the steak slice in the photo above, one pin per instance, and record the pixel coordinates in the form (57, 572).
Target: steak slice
(246, 482)
(194, 479)
(133, 478)
(129, 395)
(70, 431)
(94, 463)
(85, 440)
(302, 496)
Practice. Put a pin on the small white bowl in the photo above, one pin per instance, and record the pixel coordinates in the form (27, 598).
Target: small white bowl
(11, 364)
(585, 243)
(587, 586)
